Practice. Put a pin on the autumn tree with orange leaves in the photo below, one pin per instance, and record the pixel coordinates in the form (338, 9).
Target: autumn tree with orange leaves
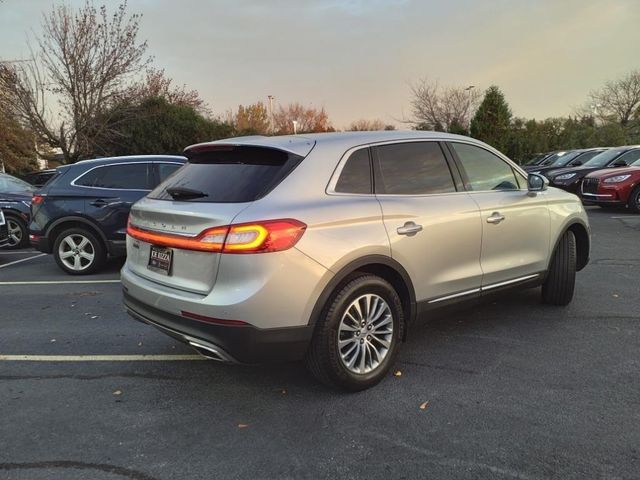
(309, 119)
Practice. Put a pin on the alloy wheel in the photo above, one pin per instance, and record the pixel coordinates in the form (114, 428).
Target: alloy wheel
(15, 232)
(365, 333)
(76, 252)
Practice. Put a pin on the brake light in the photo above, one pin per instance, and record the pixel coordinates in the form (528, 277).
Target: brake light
(255, 237)
(37, 199)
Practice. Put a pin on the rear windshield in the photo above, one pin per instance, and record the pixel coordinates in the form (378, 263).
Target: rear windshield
(229, 174)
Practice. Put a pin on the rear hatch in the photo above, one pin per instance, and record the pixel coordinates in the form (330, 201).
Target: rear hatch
(218, 182)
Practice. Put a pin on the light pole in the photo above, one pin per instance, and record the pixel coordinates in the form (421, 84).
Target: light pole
(468, 90)
(271, 99)
(594, 109)
(295, 127)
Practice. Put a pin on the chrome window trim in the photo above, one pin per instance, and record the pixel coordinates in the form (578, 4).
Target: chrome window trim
(330, 189)
(148, 162)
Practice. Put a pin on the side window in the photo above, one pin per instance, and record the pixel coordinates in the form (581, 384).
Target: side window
(629, 157)
(356, 174)
(414, 168)
(132, 176)
(165, 170)
(484, 170)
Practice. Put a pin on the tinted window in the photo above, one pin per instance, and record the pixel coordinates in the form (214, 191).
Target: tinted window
(629, 157)
(484, 170)
(230, 174)
(413, 169)
(165, 170)
(9, 184)
(356, 174)
(131, 176)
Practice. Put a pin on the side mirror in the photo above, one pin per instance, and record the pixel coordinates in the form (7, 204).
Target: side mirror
(619, 163)
(537, 183)
(576, 163)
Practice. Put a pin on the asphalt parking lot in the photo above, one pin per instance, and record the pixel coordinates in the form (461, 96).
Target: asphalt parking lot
(510, 389)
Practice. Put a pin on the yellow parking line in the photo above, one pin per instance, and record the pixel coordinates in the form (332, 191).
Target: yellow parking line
(99, 358)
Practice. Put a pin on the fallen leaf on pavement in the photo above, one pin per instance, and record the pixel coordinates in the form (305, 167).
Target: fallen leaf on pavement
(424, 405)
(242, 425)
(117, 392)
(53, 340)
(397, 373)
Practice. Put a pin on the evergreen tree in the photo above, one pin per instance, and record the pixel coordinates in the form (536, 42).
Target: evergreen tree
(491, 123)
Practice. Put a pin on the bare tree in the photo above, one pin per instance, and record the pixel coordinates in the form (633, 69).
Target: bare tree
(439, 108)
(83, 63)
(157, 84)
(364, 125)
(618, 100)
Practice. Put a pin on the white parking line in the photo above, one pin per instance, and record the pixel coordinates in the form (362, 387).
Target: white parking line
(99, 358)
(17, 252)
(57, 282)
(22, 260)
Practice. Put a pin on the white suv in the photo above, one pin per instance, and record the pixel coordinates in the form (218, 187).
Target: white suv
(326, 247)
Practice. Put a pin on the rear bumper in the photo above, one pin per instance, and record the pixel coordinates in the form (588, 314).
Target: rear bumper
(40, 243)
(240, 344)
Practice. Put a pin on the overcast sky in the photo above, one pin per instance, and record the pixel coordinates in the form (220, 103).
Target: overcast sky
(356, 57)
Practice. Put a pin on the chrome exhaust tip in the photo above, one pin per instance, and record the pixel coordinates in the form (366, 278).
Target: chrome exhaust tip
(210, 351)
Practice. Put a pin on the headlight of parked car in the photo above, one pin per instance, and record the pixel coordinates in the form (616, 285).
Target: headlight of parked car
(616, 179)
(565, 176)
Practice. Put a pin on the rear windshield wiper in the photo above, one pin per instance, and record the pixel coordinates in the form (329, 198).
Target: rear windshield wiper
(182, 192)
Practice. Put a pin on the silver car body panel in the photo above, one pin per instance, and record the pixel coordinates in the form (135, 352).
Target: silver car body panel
(456, 253)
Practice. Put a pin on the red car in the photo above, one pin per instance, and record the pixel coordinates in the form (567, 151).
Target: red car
(617, 187)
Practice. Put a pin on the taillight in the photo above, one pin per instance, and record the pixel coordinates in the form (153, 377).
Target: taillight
(255, 237)
(37, 199)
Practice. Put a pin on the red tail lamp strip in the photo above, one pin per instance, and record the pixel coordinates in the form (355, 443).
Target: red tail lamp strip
(254, 237)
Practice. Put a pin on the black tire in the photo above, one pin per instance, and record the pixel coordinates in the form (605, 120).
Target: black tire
(15, 222)
(561, 278)
(94, 245)
(634, 200)
(323, 357)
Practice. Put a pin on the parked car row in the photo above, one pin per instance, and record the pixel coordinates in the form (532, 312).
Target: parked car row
(600, 176)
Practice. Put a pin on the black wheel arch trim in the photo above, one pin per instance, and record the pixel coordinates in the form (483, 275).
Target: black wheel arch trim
(79, 219)
(345, 272)
(581, 261)
(15, 213)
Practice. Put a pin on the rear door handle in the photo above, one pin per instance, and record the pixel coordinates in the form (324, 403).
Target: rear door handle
(495, 218)
(98, 203)
(409, 229)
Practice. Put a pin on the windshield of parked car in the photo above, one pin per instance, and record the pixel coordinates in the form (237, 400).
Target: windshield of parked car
(9, 184)
(564, 159)
(556, 157)
(603, 159)
(584, 157)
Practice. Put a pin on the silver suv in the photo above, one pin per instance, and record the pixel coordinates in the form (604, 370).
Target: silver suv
(328, 246)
